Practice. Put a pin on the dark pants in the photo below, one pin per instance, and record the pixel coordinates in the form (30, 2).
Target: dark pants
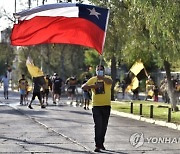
(101, 117)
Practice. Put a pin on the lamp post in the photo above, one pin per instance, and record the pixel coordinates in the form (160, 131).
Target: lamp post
(29, 4)
(14, 6)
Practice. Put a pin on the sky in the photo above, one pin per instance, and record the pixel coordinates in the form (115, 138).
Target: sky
(9, 7)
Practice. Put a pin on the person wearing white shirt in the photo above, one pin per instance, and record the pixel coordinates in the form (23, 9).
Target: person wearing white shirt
(5, 81)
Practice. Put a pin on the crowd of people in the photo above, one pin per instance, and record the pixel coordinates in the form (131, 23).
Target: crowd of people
(152, 89)
(164, 88)
(52, 86)
(96, 89)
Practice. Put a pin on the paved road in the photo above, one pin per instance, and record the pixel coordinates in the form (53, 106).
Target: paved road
(69, 129)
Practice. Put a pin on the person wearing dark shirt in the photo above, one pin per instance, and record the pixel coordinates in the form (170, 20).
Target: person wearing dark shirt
(36, 92)
(56, 87)
(86, 95)
(156, 92)
(123, 87)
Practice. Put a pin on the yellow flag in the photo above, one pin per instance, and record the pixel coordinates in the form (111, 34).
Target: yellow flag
(134, 85)
(33, 70)
(137, 67)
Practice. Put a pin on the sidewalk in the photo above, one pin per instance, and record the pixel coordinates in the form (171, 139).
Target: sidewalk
(128, 96)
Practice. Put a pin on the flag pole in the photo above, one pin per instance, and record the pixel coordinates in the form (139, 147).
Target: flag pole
(146, 72)
(101, 58)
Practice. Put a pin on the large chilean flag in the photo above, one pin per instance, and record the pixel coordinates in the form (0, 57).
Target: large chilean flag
(62, 23)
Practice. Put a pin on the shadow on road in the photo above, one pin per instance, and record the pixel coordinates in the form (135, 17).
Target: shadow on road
(112, 152)
(42, 144)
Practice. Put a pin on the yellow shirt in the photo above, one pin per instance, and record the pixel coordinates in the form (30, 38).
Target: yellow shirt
(46, 83)
(101, 96)
(23, 84)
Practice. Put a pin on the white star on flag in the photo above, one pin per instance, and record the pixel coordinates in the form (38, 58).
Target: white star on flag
(93, 12)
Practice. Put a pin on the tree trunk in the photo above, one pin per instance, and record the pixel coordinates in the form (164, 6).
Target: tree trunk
(171, 89)
(62, 63)
(113, 75)
(48, 59)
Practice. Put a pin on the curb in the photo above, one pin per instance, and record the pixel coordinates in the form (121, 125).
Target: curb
(148, 120)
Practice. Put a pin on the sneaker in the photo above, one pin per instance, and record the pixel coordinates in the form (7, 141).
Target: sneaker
(29, 106)
(43, 106)
(87, 108)
(54, 102)
(84, 108)
(97, 149)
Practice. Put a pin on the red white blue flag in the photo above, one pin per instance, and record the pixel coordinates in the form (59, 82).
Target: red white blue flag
(62, 23)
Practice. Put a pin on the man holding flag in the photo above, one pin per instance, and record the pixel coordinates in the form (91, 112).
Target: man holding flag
(36, 92)
(38, 81)
(100, 86)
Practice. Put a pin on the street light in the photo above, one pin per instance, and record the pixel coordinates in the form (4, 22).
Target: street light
(29, 4)
(15, 6)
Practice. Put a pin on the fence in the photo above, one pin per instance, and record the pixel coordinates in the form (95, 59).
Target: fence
(151, 111)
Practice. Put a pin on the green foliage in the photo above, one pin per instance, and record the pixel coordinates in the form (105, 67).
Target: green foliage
(146, 30)
(6, 58)
(137, 29)
(154, 26)
(84, 74)
(92, 59)
(65, 60)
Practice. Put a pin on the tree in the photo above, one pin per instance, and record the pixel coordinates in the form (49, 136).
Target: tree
(116, 34)
(66, 60)
(92, 59)
(155, 30)
(6, 58)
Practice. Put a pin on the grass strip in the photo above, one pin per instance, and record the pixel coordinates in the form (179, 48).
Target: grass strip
(160, 110)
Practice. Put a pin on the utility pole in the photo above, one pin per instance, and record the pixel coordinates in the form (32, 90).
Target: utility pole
(14, 6)
(29, 4)
(43, 2)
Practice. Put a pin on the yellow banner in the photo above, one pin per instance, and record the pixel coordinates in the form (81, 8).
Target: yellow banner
(33, 70)
(137, 67)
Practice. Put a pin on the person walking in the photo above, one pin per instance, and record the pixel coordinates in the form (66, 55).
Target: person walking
(56, 87)
(23, 85)
(71, 87)
(47, 86)
(123, 87)
(149, 88)
(5, 81)
(156, 93)
(86, 95)
(100, 86)
(36, 92)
